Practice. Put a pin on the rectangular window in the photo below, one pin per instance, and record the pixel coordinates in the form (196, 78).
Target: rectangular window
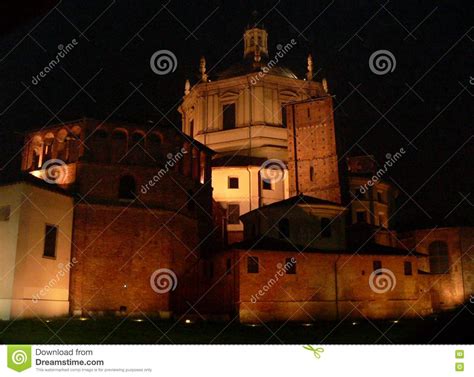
(228, 266)
(326, 227)
(233, 213)
(290, 266)
(283, 117)
(191, 128)
(233, 183)
(377, 267)
(5, 213)
(50, 237)
(252, 265)
(228, 116)
(267, 184)
(408, 268)
(381, 219)
(380, 196)
(361, 217)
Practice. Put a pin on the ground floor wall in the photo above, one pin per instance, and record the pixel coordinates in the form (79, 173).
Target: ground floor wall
(132, 261)
(30, 308)
(320, 287)
(456, 285)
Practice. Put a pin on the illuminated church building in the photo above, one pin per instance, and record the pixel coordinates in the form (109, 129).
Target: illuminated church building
(253, 216)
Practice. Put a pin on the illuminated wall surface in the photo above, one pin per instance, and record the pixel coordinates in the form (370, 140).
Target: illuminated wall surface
(32, 284)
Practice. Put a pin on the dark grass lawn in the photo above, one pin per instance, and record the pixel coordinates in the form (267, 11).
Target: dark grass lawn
(452, 328)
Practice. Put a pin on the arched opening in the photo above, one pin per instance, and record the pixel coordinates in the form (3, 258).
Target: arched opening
(98, 146)
(127, 188)
(61, 146)
(154, 146)
(119, 145)
(137, 148)
(74, 144)
(439, 257)
(48, 147)
(36, 146)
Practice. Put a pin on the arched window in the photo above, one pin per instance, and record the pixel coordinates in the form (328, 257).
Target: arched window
(311, 173)
(119, 145)
(61, 145)
(154, 147)
(37, 146)
(48, 147)
(439, 258)
(137, 148)
(138, 138)
(99, 146)
(284, 228)
(127, 187)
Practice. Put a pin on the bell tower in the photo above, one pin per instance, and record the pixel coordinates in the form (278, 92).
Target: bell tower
(312, 156)
(255, 42)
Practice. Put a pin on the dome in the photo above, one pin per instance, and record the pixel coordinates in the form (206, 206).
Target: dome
(247, 67)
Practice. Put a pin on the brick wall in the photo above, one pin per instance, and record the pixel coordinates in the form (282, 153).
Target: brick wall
(312, 147)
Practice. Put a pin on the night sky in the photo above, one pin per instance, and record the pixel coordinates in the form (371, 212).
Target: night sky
(423, 106)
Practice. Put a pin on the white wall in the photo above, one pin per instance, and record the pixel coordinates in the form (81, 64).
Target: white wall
(247, 195)
(39, 285)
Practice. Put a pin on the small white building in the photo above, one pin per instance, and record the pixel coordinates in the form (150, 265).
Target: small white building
(36, 222)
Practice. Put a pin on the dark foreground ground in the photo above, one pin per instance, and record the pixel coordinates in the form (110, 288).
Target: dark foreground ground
(450, 328)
